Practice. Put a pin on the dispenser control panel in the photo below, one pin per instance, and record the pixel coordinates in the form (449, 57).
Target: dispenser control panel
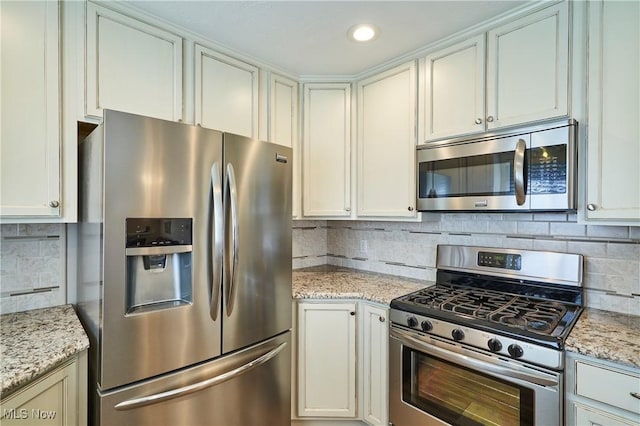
(158, 232)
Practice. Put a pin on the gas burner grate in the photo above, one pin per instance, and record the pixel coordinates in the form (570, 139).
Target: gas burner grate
(521, 312)
(540, 316)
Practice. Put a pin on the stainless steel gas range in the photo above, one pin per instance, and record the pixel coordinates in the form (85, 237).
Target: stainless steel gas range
(485, 345)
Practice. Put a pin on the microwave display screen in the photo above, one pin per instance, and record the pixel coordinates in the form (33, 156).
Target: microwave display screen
(548, 169)
(478, 175)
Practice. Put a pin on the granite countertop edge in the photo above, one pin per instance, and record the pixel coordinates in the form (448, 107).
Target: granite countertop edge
(329, 282)
(32, 343)
(591, 336)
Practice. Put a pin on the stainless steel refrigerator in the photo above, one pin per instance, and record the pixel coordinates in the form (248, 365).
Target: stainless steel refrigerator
(184, 274)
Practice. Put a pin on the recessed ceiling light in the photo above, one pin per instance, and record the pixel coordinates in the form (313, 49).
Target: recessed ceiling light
(363, 32)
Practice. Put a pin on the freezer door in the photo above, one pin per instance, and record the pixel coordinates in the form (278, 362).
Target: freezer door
(250, 387)
(257, 273)
(158, 176)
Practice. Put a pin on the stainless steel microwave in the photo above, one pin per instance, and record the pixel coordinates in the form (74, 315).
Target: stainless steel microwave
(528, 169)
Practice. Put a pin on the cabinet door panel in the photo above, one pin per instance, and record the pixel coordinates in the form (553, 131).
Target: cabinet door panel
(283, 126)
(586, 416)
(327, 360)
(132, 66)
(226, 93)
(613, 150)
(454, 90)
(527, 68)
(375, 365)
(52, 400)
(326, 164)
(30, 111)
(386, 141)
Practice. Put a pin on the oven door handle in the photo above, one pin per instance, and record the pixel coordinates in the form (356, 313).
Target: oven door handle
(468, 360)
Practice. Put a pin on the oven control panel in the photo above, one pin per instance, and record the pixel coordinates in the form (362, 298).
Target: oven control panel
(499, 345)
(500, 260)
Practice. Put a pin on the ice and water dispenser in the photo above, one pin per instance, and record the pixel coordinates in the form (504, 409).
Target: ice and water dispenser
(159, 264)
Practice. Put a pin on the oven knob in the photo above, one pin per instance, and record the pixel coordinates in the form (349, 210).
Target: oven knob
(494, 345)
(426, 325)
(515, 351)
(412, 322)
(457, 334)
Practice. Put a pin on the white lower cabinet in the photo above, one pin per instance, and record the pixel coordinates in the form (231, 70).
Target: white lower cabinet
(327, 359)
(342, 361)
(601, 392)
(374, 356)
(58, 398)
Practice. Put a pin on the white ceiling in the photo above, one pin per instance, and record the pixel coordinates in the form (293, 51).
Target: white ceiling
(309, 37)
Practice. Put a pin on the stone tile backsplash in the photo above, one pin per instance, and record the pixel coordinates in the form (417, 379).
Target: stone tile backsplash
(33, 256)
(611, 253)
(32, 266)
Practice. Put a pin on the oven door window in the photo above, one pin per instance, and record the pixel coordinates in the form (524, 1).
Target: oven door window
(478, 175)
(460, 396)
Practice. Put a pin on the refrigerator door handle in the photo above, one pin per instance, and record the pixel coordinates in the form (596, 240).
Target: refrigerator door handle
(217, 236)
(175, 393)
(233, 195)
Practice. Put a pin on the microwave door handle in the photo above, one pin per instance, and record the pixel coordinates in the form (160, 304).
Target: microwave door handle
(216, 237)
(233, 195)
(518, 171)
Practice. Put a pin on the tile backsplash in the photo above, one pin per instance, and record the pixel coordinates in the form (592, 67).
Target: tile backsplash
(33, 256)
(32, 266)
(611, 253)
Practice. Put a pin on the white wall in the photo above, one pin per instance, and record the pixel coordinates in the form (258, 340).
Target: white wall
(612, 253)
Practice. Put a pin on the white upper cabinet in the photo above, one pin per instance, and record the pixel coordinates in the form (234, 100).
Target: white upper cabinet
(454, 90)
(387, 142)
(613, 141)
(283, 108)
(526, 62)
(226, 93)
(283, 126)
(528, 67)
(30, 109)
(326, 163)
(131, 66)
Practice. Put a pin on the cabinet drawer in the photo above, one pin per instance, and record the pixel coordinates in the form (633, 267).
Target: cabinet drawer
(608, 386)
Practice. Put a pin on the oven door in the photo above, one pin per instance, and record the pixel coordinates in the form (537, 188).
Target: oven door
(433, 382)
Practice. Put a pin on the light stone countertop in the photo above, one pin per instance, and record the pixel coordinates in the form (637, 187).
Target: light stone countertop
(608, 336)
(334, 282)
(35, 342)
